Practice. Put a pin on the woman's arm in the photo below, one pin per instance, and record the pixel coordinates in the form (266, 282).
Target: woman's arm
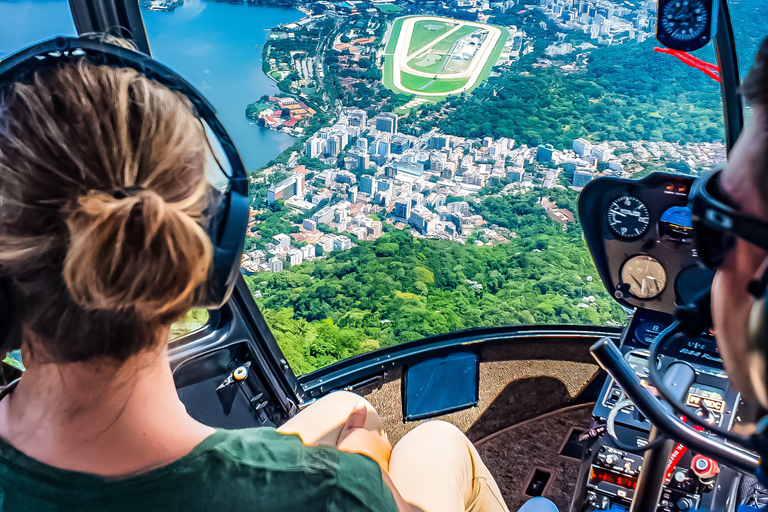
(356, 439)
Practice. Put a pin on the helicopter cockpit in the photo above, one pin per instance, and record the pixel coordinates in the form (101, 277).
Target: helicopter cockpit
(593, 382)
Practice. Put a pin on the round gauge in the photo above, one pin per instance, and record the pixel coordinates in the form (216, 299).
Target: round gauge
(628, 217)
(675, 225)
(684, 20)
(647, 331)
(644, 275)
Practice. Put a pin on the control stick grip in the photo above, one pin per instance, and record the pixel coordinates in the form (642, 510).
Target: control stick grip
(678, 379)
(610, 358)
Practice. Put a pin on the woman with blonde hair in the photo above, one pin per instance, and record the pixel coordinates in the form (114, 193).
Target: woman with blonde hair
(103, 197)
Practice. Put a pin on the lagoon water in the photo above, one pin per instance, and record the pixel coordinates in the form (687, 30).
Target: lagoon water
(210, 43)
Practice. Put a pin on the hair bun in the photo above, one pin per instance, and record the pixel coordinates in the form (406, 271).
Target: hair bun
(134, 250)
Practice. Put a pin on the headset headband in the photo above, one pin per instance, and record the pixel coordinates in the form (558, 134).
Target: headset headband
(229, 217)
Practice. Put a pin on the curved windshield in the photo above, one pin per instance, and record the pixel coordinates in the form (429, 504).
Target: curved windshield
(440, 193)
(25, 22)
(416, 171)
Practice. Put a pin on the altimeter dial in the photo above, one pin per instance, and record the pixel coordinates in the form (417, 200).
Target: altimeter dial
(628, 217)
(645, 276)
(684, 20)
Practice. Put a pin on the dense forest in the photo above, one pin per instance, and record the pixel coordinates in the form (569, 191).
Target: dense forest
(618, 97)
(401, 288)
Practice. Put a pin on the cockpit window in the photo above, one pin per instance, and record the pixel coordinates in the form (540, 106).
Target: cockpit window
(440, 193)
(25, 22)
(194, 321)
(417, 173)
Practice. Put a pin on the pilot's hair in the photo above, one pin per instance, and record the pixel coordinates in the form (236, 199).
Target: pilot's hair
(102, 202)
(754, 88)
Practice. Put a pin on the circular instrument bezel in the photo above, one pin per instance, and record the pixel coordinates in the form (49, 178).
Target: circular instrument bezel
(633, 287)
(615, 206)
(697, 26)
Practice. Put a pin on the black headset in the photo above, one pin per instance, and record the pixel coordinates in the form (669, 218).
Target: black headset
(757, 327)
(227, 211)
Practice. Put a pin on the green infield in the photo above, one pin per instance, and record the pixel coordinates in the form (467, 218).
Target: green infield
(444, 86)
(425, 32)
(428, 62)
(433, 57)
(445, 45)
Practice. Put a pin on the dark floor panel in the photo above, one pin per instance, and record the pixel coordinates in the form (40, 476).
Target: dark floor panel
(514, 454)
(519, 401)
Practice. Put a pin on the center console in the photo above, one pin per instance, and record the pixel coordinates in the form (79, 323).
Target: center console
(608, 476)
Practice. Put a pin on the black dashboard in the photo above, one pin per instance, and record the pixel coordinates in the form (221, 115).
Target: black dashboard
(639, 234)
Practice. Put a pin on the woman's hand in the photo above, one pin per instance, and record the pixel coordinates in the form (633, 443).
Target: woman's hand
(356, 439)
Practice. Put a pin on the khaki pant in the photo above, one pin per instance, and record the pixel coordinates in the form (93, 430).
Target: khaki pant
(434, 467)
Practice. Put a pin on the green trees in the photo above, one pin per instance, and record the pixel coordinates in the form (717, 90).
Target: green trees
(619, 96)
(400, 288)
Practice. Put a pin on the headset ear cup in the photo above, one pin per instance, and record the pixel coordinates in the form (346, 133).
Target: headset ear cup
(757, 327)
(757, 346)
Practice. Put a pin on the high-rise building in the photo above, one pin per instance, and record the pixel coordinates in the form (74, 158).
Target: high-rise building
(439, 141)
(294, 256)
(308, 252)
(341, 243)
(544, 153)
(282, 240)
(515, 174)
(357, 117)
(582, 177)
(374, 230)
(368, 185)
(423, 220)
(289, 187)
(399, 144)
(314, 147)
(582, 147)
(386, 122)
(402, 208)
(362, 144)
(275, 264)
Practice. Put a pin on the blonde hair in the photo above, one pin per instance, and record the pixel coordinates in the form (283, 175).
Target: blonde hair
(102, 201)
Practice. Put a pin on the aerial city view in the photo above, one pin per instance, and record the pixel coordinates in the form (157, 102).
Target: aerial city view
(440, 151)
(416, 165)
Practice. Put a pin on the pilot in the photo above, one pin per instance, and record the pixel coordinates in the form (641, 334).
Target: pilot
(102, 202)
(743, 185)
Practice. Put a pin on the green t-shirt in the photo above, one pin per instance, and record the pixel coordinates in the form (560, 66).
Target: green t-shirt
(231, 471)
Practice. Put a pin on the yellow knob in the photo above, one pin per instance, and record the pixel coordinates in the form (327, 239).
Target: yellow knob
(240, 373)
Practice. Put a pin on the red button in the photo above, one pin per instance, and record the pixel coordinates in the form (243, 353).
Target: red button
(704, 467)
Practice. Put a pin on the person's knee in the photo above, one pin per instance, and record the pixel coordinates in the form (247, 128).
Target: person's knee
(344, 400)
(435, 435)
(538, 504)
(439, 428)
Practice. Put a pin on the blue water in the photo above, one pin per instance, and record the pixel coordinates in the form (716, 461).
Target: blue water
(211, 44)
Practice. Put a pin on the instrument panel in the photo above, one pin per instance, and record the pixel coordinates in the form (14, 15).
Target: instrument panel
(640, 236)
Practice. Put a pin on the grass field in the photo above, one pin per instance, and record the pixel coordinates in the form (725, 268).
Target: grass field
(423, 35)
(445, 85)
(414, 82)
(446, 44)
(388, 8)
(429, 63)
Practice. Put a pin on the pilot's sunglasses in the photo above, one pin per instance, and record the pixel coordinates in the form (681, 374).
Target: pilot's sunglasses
(716, 224)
